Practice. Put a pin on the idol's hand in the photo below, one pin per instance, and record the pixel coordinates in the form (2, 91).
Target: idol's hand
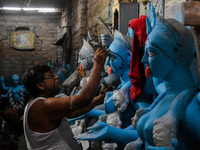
(106, 40)
(72, 121)
(99, 131)
(4, 95)
(156, 148)
(136, 145)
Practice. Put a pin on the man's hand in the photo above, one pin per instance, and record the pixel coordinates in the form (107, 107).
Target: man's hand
(100, 98)
(105, 89)
(100, 56)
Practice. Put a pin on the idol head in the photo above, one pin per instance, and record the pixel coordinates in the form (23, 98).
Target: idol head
(120, 56)
(86, 55)
(15, 79)
(113, 119)
(121, 100)
(163, 133)
(151, 18)
(169, 44)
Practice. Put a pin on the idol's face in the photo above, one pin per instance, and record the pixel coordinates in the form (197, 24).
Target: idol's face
(117, 59)
(160, 63)
(85, 61)
(15, 79)
(115, 62)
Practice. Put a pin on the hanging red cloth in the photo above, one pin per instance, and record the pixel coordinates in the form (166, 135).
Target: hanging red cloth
(137, 73)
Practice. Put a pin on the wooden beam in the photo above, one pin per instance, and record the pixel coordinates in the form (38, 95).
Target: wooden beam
(191, 17)
(191, 13)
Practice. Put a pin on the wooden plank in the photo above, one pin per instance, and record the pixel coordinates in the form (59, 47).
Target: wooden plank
(191, 13)
(191, 17)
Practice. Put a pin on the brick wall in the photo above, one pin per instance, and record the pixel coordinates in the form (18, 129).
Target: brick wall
(47, 29)
(82, 18)
(78, 26)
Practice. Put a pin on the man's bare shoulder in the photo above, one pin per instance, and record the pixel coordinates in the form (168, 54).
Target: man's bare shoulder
(38, 119)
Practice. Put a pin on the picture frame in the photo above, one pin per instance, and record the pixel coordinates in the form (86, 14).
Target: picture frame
(22, 40)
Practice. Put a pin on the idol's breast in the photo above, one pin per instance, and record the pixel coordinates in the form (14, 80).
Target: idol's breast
(145, 123)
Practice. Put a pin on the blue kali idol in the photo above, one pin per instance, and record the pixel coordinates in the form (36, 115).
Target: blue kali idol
(173, 123)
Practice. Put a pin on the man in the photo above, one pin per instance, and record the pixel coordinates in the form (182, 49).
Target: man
(45, 123)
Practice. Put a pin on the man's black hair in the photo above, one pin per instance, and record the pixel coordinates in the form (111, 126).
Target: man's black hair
(32, 77)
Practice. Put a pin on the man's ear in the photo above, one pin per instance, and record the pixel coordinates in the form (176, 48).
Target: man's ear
(40, 86)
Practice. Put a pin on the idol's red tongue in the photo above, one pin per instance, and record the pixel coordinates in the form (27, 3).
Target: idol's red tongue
(80, 67)
(110, 70)
(147, 71)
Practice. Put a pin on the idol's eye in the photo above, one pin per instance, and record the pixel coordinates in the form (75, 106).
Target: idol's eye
(112, 58)
(150, 53)
(81, 57)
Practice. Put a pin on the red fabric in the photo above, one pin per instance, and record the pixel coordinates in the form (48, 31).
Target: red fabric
(137, 73)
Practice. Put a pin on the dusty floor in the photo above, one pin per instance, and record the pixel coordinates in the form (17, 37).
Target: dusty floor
(22, 143)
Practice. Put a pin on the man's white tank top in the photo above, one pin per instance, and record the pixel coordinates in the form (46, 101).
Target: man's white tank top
(58, 139)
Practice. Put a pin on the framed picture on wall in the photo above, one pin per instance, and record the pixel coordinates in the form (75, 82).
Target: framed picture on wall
(22, 40)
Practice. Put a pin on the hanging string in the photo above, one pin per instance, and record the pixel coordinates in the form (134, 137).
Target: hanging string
(27, 4)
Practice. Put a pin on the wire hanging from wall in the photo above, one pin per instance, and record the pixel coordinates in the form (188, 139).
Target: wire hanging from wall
(27, 3)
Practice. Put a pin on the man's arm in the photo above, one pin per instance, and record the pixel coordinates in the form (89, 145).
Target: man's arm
(59, 107)
(96, 101)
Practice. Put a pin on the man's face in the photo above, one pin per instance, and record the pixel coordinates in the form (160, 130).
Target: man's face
(52, 82)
